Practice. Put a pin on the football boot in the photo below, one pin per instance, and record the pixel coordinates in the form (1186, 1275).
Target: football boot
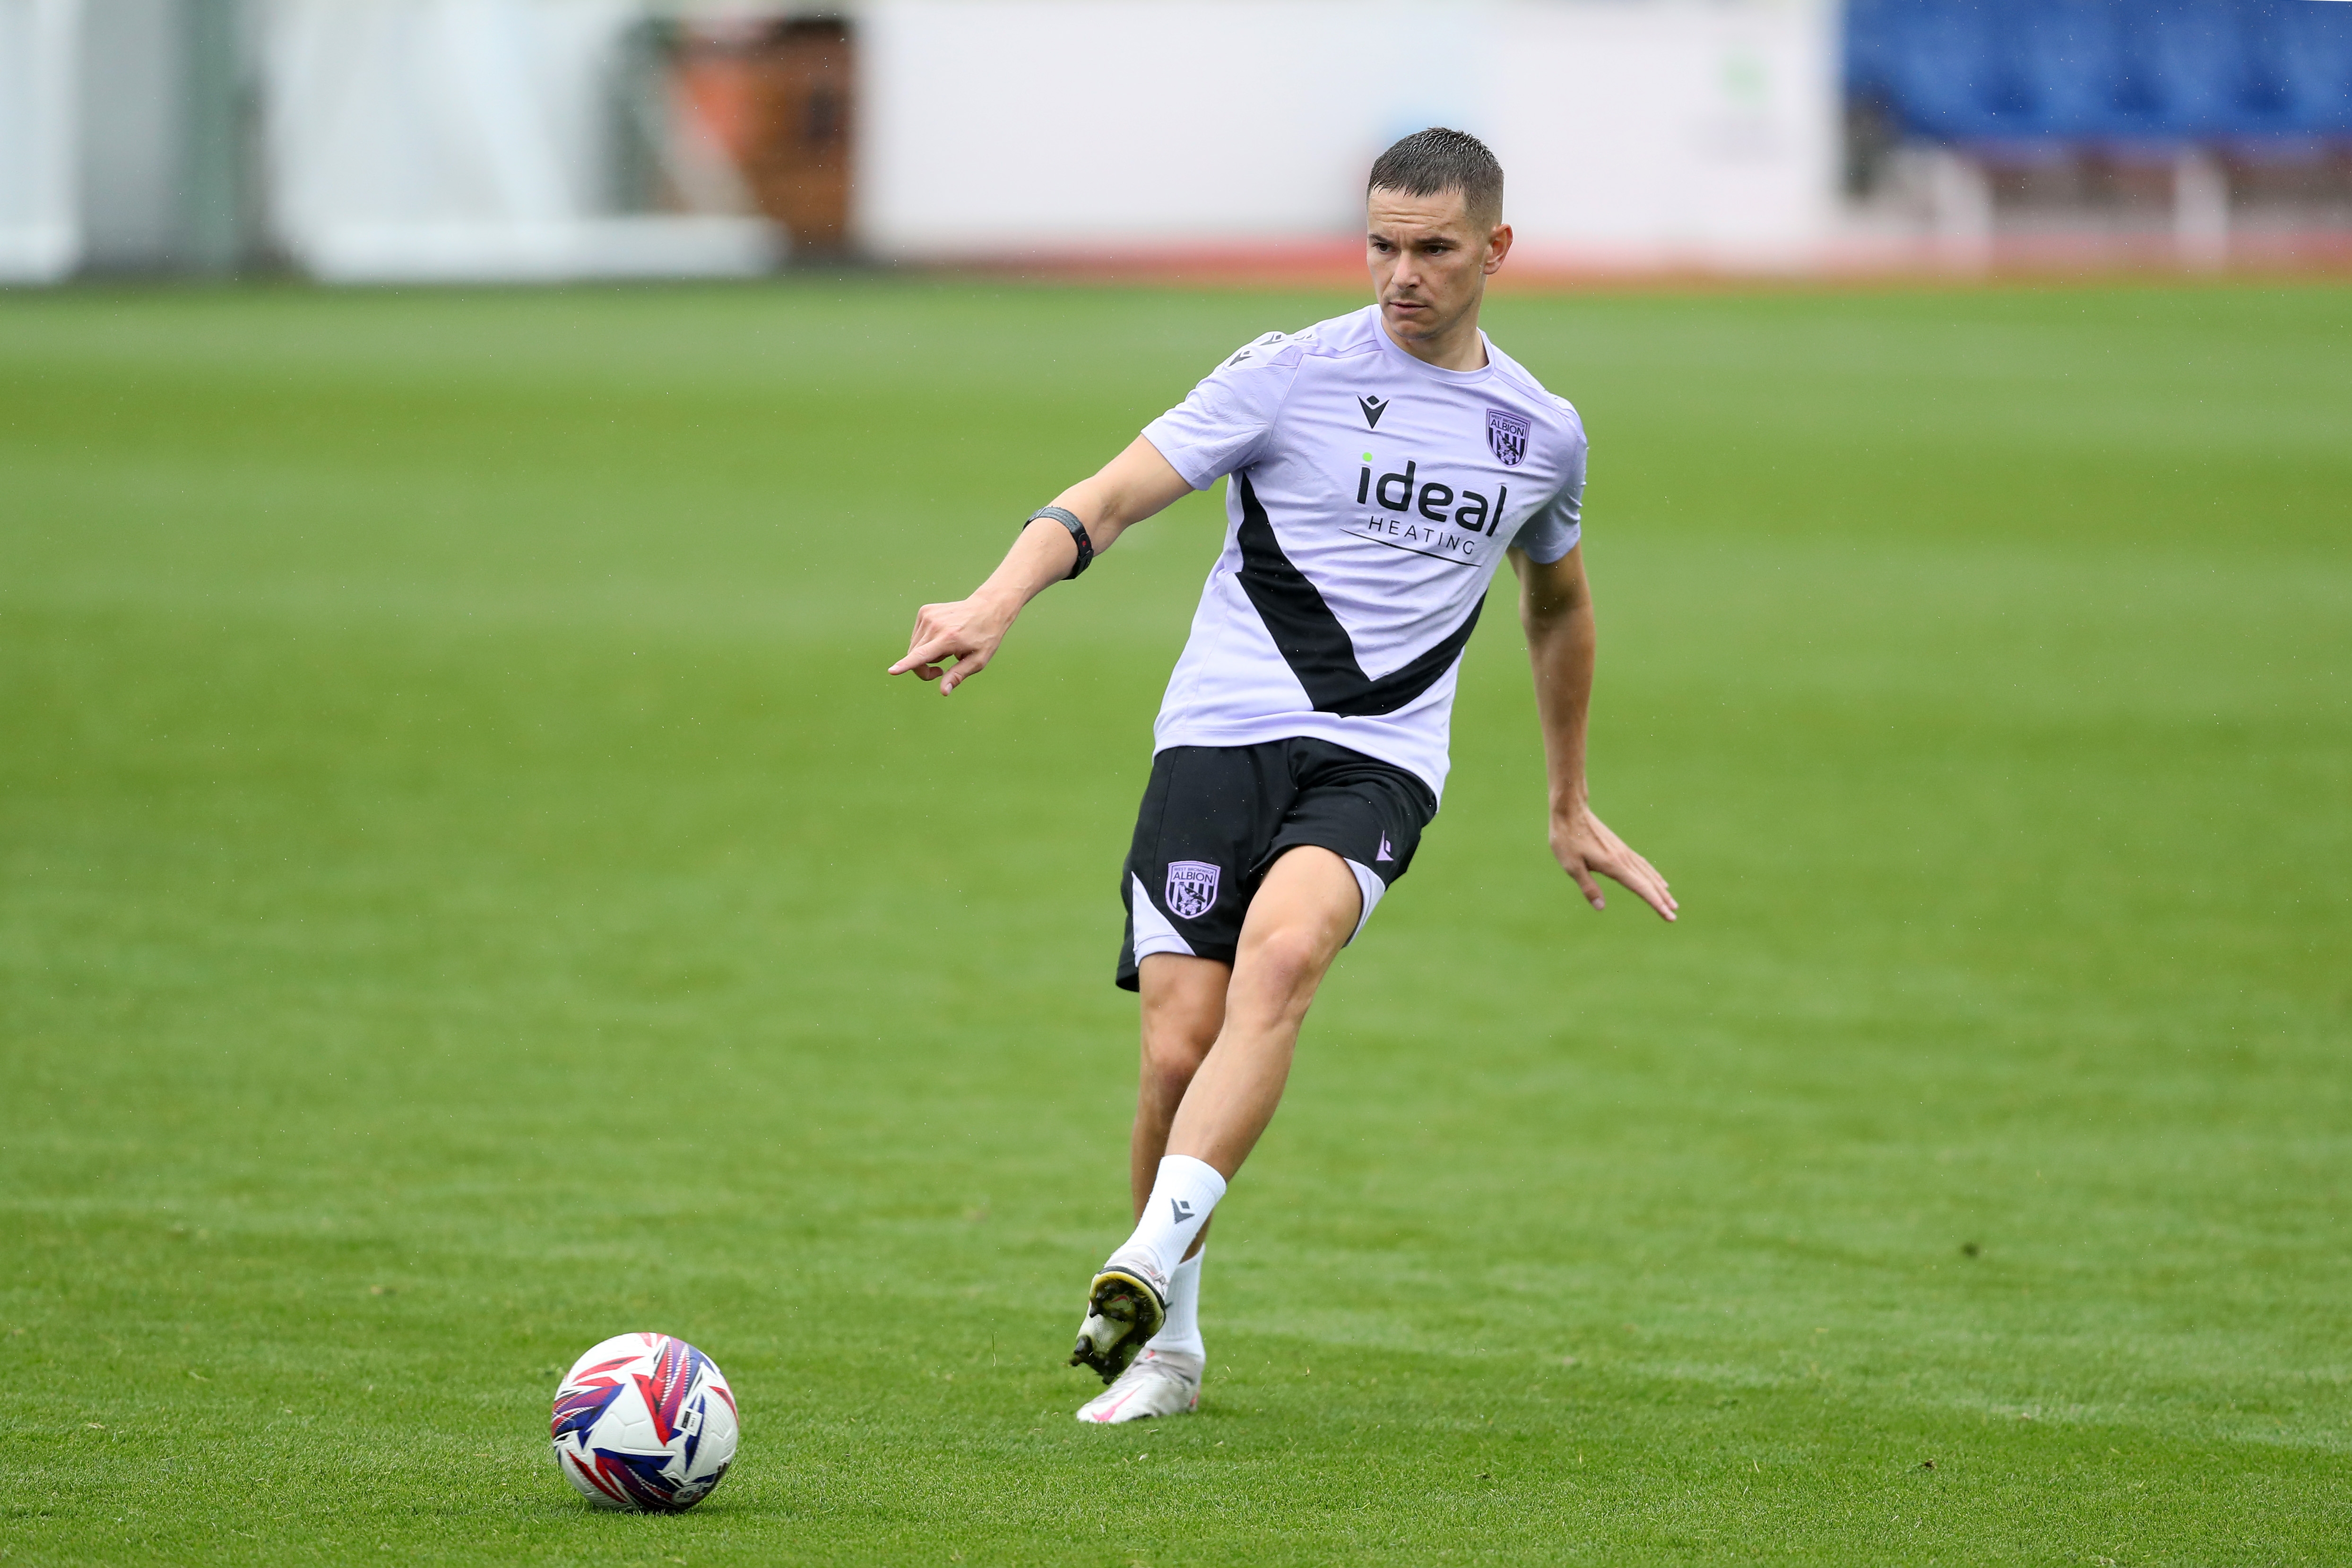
(1159, 1383)
(1125, 1307)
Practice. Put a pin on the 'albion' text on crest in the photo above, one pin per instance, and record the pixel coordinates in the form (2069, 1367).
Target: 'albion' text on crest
(1192, 888)
(1506, 433)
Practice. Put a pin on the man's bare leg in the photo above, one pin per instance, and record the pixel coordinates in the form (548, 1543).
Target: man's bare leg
(1303, 913)
(1183, 1009)
(1301, 916)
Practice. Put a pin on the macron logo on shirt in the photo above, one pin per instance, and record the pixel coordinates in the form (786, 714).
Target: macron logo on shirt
(1373, 408)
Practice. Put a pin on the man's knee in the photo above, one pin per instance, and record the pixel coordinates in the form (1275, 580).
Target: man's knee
(1301, 918)
(1290, 951)
(1168, 1074)
(1289, 956)
(1183, 1009)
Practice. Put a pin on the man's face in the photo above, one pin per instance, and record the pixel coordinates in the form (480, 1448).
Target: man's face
(1429, 260)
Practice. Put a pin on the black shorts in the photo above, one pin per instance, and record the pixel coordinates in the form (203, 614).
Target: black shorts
(1214, 817)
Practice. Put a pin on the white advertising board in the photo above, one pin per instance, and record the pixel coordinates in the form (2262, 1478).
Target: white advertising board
(40, 219)
(1634, 132)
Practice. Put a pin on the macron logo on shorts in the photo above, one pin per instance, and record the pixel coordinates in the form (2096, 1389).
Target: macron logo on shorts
(1386, 853)
(1192, 888)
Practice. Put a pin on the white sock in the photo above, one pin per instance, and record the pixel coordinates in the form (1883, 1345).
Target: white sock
(1181, 1196)
(1181, 1333)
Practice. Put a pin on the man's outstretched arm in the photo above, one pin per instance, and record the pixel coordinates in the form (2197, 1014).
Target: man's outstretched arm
(1130, 487)
(1556, 610)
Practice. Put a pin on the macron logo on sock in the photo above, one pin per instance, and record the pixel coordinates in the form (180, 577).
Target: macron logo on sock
(1183, 1210)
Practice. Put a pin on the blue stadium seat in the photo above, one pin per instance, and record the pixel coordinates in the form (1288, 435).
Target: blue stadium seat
(2317, 68)
(2123, 73)
(2181, 57)
(2080, 74)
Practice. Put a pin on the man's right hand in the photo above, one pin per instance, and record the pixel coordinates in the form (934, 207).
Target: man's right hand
(968, 632)
(1130, 487)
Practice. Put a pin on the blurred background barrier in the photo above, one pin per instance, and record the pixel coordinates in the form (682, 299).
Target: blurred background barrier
(359, 140)
(40, 236)
(1657, 132)
(502, 139)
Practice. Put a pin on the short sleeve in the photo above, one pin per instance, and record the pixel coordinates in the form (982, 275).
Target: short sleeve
(1223, 425)
(1556, 527)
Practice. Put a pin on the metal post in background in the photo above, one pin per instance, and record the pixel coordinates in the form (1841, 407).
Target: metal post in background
(2201, 210)
(164, 136)
(214, 137)
(1959, 195)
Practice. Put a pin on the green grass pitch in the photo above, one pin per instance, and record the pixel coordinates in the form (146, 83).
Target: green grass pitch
(467, 888)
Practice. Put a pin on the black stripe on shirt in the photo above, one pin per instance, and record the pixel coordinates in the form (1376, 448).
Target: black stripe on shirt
(1309, 637)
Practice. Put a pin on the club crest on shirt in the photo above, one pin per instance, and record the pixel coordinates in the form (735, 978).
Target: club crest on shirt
(1506, 433)
(1192, 888)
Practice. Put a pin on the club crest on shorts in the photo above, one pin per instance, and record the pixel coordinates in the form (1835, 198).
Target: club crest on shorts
(1506, 433)
(1192, 888)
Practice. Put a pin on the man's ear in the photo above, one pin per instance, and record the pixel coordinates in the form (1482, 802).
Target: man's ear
(1499, 245)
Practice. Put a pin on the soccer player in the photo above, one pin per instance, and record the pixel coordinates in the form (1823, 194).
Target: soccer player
(1378, 466)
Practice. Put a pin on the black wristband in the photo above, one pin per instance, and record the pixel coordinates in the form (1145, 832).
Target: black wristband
(1077, 533)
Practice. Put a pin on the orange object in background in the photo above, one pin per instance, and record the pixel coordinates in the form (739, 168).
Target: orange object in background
(714, 80)
(779, 100)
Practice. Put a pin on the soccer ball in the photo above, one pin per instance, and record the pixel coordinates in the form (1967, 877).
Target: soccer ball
(644, 1422)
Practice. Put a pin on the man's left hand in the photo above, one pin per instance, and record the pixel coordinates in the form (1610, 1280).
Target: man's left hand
(1583, 845)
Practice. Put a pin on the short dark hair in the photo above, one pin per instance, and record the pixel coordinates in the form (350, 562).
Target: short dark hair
(1435, 160)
